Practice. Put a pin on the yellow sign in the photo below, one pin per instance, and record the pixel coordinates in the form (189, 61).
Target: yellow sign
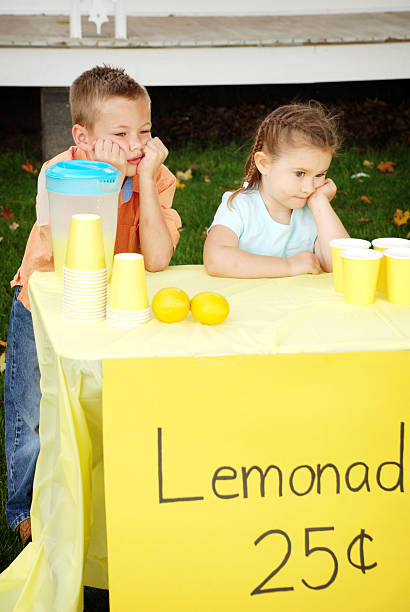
(258, 483)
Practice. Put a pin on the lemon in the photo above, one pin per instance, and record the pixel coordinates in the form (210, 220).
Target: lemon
(170, 304)
(209, 308)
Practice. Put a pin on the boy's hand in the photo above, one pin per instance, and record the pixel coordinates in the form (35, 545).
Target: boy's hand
(110, 153)
(328, 189)
(303, 263)
(155, 153)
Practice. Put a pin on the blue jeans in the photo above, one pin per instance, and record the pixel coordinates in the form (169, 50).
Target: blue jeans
(21, 406)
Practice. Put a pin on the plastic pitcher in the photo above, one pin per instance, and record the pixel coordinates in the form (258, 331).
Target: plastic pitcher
(82, 187)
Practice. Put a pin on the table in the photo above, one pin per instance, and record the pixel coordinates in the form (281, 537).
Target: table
(275, 326)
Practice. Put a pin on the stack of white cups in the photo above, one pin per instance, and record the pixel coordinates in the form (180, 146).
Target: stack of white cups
(84, 272)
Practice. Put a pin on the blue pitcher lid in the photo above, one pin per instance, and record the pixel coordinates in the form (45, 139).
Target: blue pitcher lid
(82, 177)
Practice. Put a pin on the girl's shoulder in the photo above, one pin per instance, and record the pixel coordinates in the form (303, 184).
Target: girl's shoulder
(243, 199)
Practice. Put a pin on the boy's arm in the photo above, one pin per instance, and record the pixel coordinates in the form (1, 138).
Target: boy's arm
(155, 238)
(327, 222)
(157, 243)
(223, 257)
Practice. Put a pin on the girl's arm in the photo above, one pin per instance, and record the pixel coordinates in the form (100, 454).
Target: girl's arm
(223, 257)
(327, 222)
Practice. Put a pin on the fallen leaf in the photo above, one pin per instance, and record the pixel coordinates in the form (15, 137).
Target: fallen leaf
(2, 343)
(28, 167)
(365, 199)
(1, 238)
(184, 176)
(204, 233)
(368, 164)
(362, 219)
(14, 226)
(180, 185)
(386, 167)
(5, 212)
(400, 217)
(2, 363)
(207, 179)
(360, 175)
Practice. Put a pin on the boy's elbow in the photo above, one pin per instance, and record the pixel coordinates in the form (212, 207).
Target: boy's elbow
(155, 268)
(157, 264)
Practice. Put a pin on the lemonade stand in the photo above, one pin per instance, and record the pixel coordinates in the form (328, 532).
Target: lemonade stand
(257, 464)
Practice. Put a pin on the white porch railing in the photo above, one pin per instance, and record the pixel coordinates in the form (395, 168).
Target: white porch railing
(98, 14)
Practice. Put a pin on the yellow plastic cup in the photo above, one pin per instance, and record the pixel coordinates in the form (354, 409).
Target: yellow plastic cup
(128, 290)
(360, 272)
(398, 275)
(338, 245)
(85, 248)
(381, 244)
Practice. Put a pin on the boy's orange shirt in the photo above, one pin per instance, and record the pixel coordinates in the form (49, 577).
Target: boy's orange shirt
(39, 251)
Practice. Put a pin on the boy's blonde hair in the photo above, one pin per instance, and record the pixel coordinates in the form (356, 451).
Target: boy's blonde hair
(291, 125)
(94, 86)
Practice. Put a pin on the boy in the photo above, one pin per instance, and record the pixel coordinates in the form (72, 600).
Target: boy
(111, 118)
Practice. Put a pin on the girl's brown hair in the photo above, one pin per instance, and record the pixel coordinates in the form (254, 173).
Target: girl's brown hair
(290, 125)
(94, 86)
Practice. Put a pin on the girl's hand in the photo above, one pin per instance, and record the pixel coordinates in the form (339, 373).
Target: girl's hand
(328, 189)
(303, 263)
(110, 153)
(155, 153)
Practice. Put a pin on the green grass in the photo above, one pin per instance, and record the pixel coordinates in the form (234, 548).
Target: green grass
(216, 169)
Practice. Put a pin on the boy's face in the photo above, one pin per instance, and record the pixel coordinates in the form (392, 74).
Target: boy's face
(124, 122)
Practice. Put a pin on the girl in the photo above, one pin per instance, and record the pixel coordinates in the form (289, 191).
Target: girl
(280, 222)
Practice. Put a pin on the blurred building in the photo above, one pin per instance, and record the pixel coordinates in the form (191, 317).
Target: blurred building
(47, 43)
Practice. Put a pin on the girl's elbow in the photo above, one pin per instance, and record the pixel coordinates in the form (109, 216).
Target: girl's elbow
(210, 268)
(213, 271)
(211, 265)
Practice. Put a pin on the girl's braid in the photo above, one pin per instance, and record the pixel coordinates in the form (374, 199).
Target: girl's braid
(251, 171)
(251, 177)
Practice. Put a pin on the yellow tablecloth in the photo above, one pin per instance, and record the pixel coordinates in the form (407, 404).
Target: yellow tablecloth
(270, 316)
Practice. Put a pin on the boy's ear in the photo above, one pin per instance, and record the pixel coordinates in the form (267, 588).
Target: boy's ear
(261, 162)
(80, 137)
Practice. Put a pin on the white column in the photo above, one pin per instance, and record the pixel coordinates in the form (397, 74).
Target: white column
(120, 19)
(75, 19)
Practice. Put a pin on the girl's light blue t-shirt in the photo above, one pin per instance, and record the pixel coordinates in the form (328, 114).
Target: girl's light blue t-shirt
(258, 233)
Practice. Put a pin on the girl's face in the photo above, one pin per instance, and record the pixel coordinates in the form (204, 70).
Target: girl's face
(127, 123)
(288, 181)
